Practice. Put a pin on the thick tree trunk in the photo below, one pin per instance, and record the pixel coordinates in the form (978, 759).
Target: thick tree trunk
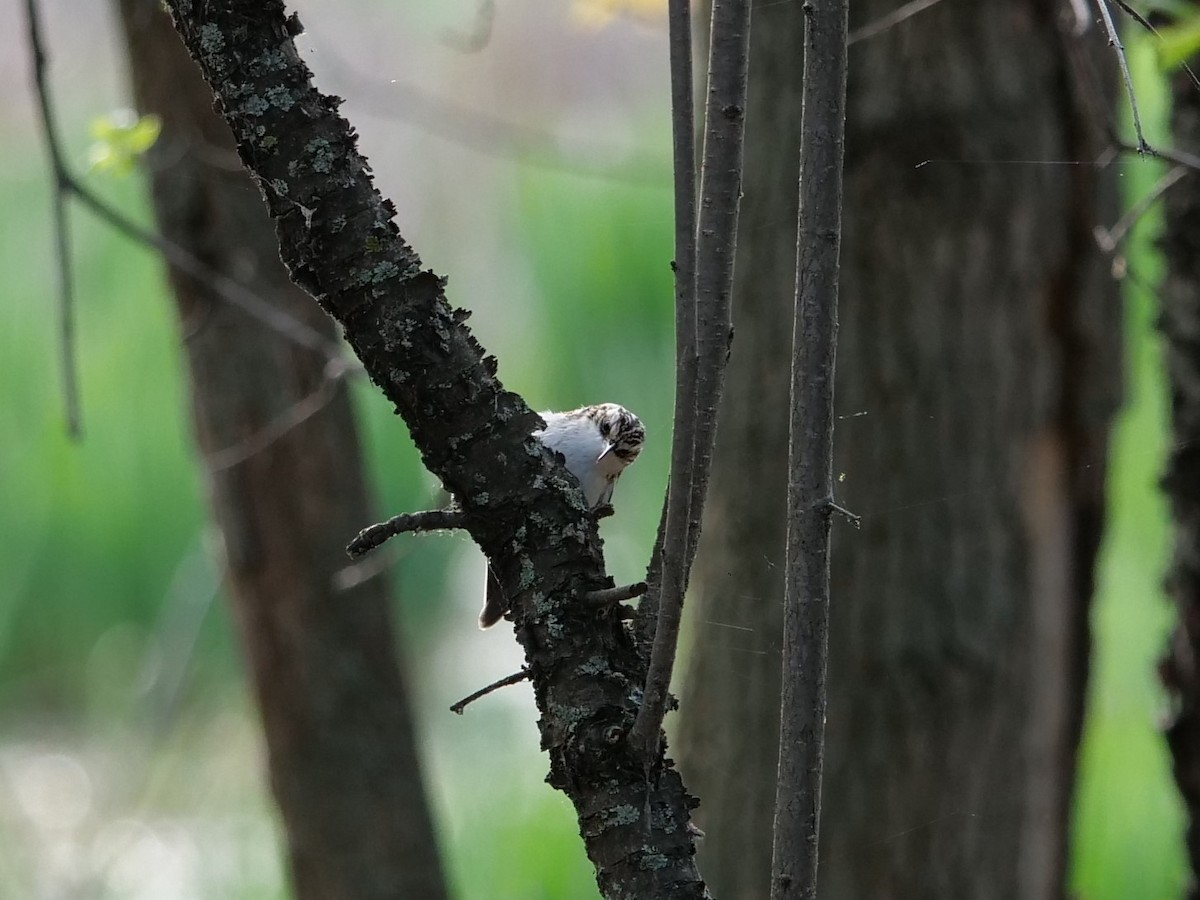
(977, 378)
(1181, 327)
(339, 731)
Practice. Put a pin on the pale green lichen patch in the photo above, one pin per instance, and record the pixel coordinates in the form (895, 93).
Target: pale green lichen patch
(528, 574)
(212, 42)
(321, 154)
(624, 814)
(570, 716)
(665, 822)
(595, 665)
(255, 105)
(378, 273)
(269, 61)
(652, 861)
(281, 98)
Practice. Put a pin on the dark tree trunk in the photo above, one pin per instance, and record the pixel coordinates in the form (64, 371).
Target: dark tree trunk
(1181, 327)
(977, 378)
(339, 729)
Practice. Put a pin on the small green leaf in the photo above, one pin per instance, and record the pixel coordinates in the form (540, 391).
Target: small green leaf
(119, 138)
(1180, 42)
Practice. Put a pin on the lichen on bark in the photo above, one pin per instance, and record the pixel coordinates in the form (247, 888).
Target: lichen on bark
(340, 244)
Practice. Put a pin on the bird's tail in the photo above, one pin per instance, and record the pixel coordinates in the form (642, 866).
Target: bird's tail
(495, 605)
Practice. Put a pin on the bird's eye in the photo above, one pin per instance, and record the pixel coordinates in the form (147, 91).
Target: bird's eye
(605, 428)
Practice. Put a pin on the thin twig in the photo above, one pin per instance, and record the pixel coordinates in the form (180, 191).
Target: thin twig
(429, 520)
(514, 678)
(1149, 26)
(1108, 239)
(66, 294)
(296, 414)
(1114, 41)
(223, 286)
(670, 546)
(484, 133)
(612, 595)
(66, 183)
(720, 200)
(1179, 157)
(853, 518)
(891, 20)
(363, 570)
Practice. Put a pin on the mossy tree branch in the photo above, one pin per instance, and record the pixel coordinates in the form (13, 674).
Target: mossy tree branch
(339, 242)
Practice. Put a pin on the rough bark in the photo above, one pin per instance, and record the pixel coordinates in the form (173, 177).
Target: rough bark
(1181, 328)
(337, 237)
(341, 744)
(977, 357)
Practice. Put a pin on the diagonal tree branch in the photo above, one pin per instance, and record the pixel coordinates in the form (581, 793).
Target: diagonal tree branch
(338, 240)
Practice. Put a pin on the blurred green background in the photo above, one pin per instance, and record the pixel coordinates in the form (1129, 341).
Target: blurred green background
(130, 762)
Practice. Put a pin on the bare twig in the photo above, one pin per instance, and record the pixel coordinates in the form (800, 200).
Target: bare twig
(514, 678)
(609, 596)
(223, 286)
(891, 20)
(1149, 26)
(670, 547)
(1179, 157)
(810, 456)
(67, 184)
(490, 135)
(429, 520)
(853, 518)
(1108, 239)
(66, 295)
(720, 200)
(356, 573)
(300, 411)
(1114, 41)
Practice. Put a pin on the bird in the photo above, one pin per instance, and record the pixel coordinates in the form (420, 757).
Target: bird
(597, 444)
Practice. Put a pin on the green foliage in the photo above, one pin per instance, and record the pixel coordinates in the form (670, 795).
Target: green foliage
(1129, 824)
(1180, 41)
(119, 138)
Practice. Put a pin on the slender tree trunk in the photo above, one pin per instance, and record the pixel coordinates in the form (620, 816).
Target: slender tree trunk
(339, 730)
(1181, 327)
(977, 378)
(810, 456)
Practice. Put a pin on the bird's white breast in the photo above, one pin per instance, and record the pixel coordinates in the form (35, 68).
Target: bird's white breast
(579, 441)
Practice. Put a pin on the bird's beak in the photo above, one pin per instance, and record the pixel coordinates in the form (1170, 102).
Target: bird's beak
(603, 453)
